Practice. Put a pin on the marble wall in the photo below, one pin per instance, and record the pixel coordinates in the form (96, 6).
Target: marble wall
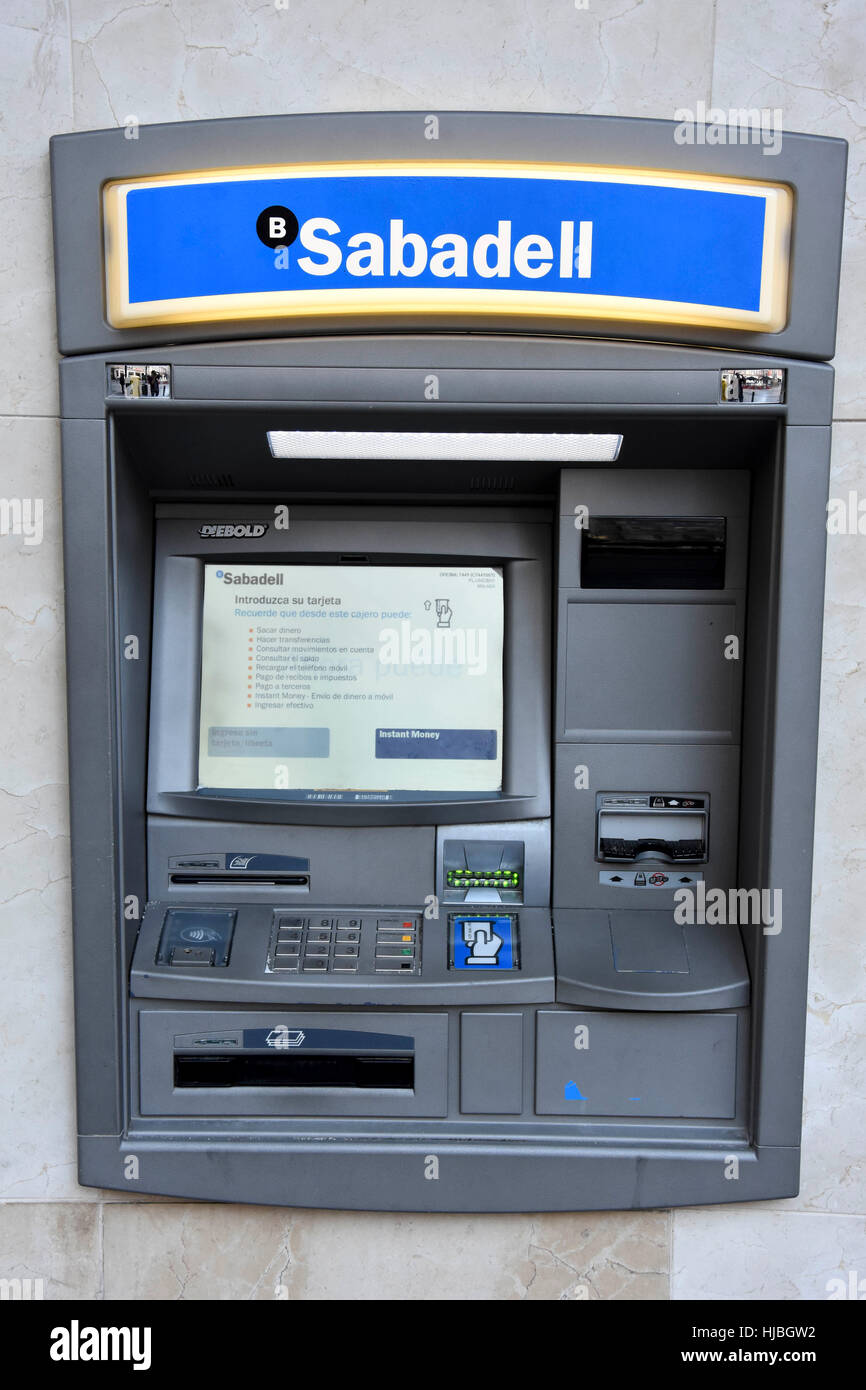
(79, 64)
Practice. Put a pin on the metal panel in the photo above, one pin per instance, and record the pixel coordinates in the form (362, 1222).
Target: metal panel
(508, 371)
(643, 959)
(650, 671)
(482, 1176)
(491, 1064)
(628, 1064)
(93, 753)
(784, 954)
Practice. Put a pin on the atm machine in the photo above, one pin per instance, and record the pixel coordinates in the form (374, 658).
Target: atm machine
(444, 527)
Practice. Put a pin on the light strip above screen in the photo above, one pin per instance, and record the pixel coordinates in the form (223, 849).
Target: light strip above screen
(453, 240)
(407, 444)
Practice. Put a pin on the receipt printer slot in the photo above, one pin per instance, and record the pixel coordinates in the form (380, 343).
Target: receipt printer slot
(654, 552)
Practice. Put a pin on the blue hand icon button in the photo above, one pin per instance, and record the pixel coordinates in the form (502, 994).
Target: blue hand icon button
(483, 941)
(571, 1091)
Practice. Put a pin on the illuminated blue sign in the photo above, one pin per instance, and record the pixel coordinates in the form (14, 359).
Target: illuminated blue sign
(630, 246)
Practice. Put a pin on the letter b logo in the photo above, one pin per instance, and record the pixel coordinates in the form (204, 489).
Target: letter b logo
(277, 226)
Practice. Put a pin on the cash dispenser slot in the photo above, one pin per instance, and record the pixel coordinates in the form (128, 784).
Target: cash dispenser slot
(294, 1069)
(219, 1062)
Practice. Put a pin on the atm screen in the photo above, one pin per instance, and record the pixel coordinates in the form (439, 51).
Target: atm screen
(328, 683)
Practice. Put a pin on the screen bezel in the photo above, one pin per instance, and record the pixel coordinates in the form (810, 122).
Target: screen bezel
(515, 541)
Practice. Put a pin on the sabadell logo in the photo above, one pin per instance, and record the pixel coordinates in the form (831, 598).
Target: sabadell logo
(402, 253)
(237, 530)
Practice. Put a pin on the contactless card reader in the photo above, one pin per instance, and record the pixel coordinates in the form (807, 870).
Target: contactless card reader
(196, 936)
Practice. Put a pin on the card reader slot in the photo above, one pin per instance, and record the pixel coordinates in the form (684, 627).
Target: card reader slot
(359, 1070)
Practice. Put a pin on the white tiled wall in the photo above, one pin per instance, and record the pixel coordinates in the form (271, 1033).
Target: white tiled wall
(80, 64)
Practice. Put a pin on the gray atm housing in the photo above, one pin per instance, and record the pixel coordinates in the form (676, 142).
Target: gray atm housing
(616, 695)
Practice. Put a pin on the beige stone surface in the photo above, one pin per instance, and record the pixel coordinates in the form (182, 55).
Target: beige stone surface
(808, 59)
(35, 102)
(223, 1252)
(750, 1253)
(206, 58)
(54, 1245)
